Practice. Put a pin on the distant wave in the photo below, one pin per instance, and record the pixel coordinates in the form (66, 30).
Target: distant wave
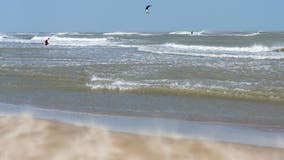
(12, 39)
(67, 33)
(62, 33)
(184, 48)
(181, 33)
(2, 36)
(254, 52)
(243, 34)
(255, 48)
(125, 33)
(199, 33)
(54, 40)
(206, 33)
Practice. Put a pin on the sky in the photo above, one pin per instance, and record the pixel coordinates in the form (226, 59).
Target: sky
(129, 15)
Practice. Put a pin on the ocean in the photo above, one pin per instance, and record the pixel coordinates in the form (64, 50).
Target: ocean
(121, 95)
(228, 77)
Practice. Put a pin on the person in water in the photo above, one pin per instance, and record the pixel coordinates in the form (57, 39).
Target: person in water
(46, 42)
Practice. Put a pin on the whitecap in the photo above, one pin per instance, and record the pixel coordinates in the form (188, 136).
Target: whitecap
(254, 52)
(125, 33)
(193, 33)
(243, 34)
(113, 84)
(67, 41)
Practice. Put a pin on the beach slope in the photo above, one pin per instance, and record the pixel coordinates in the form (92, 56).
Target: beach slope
(27, 138)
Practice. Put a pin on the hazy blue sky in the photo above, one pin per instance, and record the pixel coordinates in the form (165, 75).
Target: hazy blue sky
(129, 15)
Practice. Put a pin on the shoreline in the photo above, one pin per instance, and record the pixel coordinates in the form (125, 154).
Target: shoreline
(151, 126)
(47, 139)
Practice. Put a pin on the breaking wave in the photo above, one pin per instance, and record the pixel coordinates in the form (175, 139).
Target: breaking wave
(238, 90)
(114, 84)
(2, 36)
(67, 33)
(125, 33)
(243, 34)
(206, 33)
(59, 40)
(254, 48)
(64, 41)
(199, 33)
(254, 52)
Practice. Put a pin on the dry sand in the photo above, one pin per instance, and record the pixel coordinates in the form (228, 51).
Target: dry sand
(26, 138)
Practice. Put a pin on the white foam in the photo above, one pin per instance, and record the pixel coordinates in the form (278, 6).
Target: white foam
(254, 48)
(181, 33)
(244, 34)
(203, 33)
(120, 84)
(94, 78)
(224, 55)
(67, 33)
(254, 52)
(125, 33)
(62, 33)
(185, 49)
(199, 33)
(112, 84)
(11, 40)
(64, 41)
(2, 36)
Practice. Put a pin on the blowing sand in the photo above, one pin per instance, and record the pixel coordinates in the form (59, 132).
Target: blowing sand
(26, 138)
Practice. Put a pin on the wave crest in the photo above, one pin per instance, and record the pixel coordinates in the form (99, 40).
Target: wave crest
(2, 36)
(254, 48)
(125, 34)
(73, 41)
(253, 52)
(244, 34)
(113, 84)
(199, 33)
(183, 88)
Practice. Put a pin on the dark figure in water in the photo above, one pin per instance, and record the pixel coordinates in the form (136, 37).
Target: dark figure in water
(46, 42)
(279, 50)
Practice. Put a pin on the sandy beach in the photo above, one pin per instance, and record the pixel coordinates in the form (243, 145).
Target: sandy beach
(27, 138)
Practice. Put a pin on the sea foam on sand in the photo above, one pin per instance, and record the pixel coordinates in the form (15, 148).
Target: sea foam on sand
(28, 138)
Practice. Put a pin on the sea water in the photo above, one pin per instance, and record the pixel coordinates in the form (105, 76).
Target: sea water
(228, 77)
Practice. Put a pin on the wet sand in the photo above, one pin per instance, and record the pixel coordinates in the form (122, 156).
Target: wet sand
(27, 138)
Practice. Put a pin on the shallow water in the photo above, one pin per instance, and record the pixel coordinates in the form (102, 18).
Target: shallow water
(60, 141)
(257, 135)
